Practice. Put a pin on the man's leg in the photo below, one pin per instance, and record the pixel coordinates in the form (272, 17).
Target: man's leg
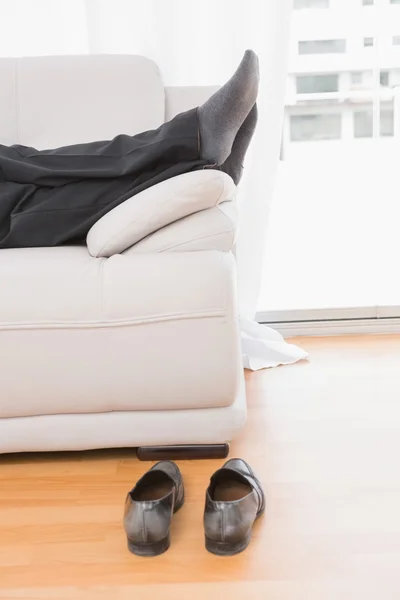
(48, 198)
(173, 142)
(55, 196)
(233, 165)
(206, 134)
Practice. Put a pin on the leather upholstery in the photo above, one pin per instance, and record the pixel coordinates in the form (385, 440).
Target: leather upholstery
(211, 229)
(156, 207)
(58, 100)
(126, 333)
(123, 429)
(181, 98)
(102, 352)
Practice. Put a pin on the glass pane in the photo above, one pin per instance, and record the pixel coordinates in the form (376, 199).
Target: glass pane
(395, 78)
(322, 47)
(356, 77)
(363, 122)
(314, 84)
(333, 230)
(387, 122)
(384, 78)
(311, 3)
(361, 80)
(315, 127)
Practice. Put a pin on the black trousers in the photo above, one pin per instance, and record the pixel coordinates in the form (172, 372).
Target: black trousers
(53, 197)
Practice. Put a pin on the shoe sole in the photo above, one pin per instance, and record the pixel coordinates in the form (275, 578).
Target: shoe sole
(226, 548)
(149, 548)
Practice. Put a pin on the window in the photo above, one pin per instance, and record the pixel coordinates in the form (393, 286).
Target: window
(322, 47)
(315, 127)
(395, 78)
(317, 84)
(361, 80)
(362, 120)
(384, 78)
(351, 135)
(356, 77)
(387, 122)
(311, 4)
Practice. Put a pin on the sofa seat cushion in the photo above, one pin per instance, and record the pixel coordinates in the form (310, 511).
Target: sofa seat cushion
(140, 332)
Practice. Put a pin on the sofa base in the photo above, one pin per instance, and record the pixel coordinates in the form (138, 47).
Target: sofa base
(124, 429)
(183, 452)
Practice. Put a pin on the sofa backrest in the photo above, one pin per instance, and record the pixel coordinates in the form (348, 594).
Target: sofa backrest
(53, 101)
(58, 100)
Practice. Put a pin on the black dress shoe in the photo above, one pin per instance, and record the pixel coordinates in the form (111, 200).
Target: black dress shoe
(149, 508)
(234, 500)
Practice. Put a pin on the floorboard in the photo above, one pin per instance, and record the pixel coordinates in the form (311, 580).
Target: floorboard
(323, 436)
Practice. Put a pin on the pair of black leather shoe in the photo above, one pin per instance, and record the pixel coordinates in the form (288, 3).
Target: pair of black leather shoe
(234, 500)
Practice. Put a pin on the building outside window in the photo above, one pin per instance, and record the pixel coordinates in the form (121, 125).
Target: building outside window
(384, 78)
(363, 123)
(322, 46)
(341, 77)
(340, 145)
(356, 77)
(315, 127)
(317, 84)
(298, 4)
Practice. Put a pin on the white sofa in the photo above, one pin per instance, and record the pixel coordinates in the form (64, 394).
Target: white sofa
(131, 339)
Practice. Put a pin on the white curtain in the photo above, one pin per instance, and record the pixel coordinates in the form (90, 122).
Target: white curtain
(194, 43)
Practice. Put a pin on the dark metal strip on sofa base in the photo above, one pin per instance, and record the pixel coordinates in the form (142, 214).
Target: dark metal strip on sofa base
(184, 452)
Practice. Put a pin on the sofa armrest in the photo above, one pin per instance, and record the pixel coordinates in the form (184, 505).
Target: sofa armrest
(157, 207)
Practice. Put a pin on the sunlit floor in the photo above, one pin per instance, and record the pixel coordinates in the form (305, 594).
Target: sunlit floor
(324, 437)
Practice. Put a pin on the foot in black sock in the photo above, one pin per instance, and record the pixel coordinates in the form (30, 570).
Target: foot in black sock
(233, 165)
(221, 117)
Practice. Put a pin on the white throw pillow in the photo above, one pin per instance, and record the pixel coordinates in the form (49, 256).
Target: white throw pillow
(156, 207)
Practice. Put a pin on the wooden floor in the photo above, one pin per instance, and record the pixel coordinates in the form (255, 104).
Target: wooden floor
(324, 437)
